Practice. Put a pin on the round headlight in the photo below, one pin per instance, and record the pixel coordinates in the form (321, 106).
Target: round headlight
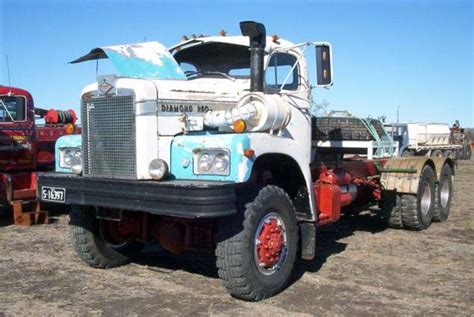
(76, 164)
(158, 169)
(68, 155)
(204, 162)
(221, 162)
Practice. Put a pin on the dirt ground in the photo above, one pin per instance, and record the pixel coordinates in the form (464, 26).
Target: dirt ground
(361, 268)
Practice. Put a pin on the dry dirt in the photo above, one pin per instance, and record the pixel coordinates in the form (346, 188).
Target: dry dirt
(361, 268)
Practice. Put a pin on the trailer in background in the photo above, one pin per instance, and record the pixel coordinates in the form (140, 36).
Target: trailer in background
(423, 139)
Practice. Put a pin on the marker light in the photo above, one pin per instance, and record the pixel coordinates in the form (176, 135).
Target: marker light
(239, 126)
(69, 128)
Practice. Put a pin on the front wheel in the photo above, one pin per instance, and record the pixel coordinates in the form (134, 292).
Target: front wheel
(102, 243)
(256, 248)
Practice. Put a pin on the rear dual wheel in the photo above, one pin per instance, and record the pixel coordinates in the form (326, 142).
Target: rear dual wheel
(408, 211)
(437, 153)
(444, 194)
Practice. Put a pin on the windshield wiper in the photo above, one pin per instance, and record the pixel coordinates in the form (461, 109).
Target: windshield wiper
(197, 73)
(6, 110)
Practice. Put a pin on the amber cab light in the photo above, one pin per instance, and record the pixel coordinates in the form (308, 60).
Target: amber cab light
(239, 126)
(69, 128)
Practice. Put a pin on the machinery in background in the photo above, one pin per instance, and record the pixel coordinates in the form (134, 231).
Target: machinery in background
(27, 149)
(459, 137)
(424, 139)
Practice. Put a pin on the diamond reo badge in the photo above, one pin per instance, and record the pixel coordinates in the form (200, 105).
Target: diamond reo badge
(105, 87)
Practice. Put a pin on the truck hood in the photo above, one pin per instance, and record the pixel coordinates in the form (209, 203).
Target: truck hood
(152, 61)
(138, 60)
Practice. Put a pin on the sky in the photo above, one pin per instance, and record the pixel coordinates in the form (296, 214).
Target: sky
(415, 55)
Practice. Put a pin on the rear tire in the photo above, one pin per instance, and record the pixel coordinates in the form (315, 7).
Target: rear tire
(89, 243)
(267, 222)
(417, 210)
(449, 154)
(467, 152)
(444, 194)
(437, 153)
(391, 209)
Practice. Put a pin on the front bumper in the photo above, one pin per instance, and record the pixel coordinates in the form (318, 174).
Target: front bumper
(189, 199)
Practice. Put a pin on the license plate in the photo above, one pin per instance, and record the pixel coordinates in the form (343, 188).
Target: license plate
(53, 194)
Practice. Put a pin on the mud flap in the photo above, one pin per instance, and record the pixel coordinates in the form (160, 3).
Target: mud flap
(308, 240)
(402, 174)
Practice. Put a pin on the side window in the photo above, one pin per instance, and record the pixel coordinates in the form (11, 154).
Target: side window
(187, 67)
(279, 67)
(12, 109)
(240, 72)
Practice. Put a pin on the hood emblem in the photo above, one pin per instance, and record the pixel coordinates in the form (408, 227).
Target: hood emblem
(105, 87)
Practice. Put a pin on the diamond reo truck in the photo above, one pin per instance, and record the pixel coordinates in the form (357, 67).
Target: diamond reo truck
(209, 146)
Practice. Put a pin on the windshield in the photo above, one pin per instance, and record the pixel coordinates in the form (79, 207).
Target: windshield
(12, 109)
(215, 59)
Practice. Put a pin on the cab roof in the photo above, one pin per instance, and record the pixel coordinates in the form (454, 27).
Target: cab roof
(236, 40)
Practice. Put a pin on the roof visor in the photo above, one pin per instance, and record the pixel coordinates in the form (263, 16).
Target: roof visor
(139, 60)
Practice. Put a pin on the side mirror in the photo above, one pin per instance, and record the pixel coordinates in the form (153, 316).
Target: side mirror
(323, 65)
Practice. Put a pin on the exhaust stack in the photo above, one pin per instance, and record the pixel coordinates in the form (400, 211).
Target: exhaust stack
(257, 35)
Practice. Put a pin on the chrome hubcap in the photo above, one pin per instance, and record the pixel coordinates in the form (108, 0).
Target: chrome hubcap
(426, 200)
(444, 194)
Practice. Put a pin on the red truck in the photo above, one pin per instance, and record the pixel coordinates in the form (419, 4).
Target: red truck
(26, 149)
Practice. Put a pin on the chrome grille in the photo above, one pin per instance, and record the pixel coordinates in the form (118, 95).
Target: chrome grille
(108, 137)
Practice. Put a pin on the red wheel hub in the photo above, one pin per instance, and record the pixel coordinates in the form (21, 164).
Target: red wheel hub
(271, 243)
(119, 232)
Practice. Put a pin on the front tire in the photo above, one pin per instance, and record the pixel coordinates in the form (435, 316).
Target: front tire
(93, 243)
(256, 248)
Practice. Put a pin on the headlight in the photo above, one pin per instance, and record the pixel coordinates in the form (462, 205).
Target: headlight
(221, 162)
(204, 162)
(67, 155)
(158, 169)
(211, 161)
(76, 163)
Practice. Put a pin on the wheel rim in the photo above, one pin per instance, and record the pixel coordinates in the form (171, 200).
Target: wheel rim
(444, 194)
(118, 234)
(270, 244)
(426, 200)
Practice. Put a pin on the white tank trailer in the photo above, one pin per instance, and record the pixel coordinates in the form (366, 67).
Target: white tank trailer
(423, 139)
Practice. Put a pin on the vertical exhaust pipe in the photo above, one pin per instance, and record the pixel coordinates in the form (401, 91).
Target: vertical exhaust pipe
(257, 35)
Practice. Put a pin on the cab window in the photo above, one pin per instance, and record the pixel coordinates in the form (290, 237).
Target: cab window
(279, 67)
(12, 109)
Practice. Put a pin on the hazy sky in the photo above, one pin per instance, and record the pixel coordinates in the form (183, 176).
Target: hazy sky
(414, 54)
